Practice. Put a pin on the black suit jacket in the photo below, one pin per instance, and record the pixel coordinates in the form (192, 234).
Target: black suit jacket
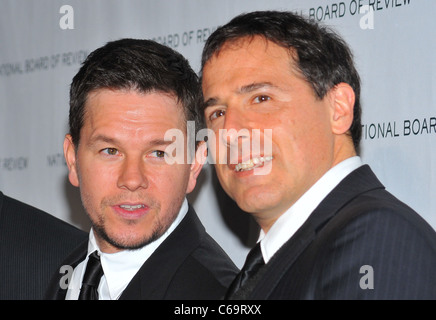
(360, 236)
(189, 264)
(32, 245)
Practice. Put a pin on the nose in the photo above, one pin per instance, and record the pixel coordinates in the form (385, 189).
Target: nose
(235, 127)
(235, 135)
(132, 175)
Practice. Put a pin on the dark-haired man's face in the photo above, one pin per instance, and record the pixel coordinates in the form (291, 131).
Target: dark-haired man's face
(129, 190)
(251, 85)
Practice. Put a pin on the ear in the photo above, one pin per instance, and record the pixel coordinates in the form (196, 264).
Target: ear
(197, 165)
(342, 97)
(70, 158)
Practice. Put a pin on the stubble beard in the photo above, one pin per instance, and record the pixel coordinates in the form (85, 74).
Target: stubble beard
(161, 223)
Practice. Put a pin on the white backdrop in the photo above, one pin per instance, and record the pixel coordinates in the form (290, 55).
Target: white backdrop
(42, 44)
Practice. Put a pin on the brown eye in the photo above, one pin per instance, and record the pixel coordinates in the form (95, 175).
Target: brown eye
(159, 154)
(216, 114)
(261, 98)
(110, 151)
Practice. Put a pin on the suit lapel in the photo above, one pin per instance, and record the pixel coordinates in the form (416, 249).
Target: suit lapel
(359, 181)
(156, 274)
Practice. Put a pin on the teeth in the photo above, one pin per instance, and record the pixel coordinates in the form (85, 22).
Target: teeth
(131, 208)
(252, 163)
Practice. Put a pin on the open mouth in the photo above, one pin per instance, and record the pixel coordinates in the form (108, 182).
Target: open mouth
(252, 163)
(131, 211)
(132, 207)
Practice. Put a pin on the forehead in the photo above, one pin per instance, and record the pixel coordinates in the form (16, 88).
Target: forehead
(246, 62)
(130, 109)
(249, 57)
(250, 48)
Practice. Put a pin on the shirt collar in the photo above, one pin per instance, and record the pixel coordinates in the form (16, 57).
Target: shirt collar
(292, 219)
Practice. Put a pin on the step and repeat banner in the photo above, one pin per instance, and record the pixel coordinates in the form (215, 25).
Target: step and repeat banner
(42, 44)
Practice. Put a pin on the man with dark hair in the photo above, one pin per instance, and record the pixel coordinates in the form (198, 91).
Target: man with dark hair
(146, 241)
(329, 229)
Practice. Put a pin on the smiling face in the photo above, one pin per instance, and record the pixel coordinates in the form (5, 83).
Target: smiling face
(253, 84)
(121, 169)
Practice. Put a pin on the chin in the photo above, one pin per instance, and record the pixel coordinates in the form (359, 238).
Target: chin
(257, 202)
(132, 243)
(127, 240)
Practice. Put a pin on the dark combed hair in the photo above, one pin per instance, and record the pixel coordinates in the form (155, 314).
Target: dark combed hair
(134, 64)
(321, 55)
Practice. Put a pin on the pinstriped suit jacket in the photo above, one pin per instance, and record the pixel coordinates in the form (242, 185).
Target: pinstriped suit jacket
(359, 224)
(32, 245)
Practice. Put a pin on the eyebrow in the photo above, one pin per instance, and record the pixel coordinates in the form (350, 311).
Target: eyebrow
(105, 139)
(210, 102)
(101, 138)
(242, 90)
(255, 86)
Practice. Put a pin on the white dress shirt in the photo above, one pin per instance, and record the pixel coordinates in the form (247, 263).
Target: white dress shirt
(119, 268)
(290, 221)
